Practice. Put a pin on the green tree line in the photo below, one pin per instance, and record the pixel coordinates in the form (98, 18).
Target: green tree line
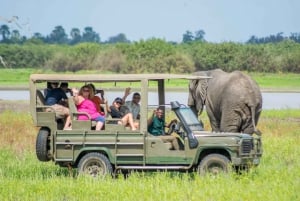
(154, 56)
(59, 36)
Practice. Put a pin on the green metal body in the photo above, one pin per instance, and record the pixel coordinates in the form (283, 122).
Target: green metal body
(128, 149)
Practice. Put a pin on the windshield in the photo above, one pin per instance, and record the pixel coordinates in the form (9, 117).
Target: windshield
(190, 119)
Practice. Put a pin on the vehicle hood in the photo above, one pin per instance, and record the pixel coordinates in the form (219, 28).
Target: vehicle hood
(220, 134)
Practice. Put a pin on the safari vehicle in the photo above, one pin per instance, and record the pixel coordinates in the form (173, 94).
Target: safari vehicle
(116, 148)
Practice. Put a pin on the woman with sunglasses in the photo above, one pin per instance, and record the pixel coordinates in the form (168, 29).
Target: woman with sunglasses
(84, 104)
(126, 118)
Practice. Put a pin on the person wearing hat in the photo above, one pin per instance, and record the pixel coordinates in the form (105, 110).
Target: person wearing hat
(116, 112)
(50, 86)
(57, 99)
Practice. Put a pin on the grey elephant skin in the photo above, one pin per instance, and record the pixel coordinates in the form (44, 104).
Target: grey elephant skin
(233, 100)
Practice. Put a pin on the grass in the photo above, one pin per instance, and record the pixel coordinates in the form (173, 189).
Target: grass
(23, 177)
(16, 78)
(279, 81)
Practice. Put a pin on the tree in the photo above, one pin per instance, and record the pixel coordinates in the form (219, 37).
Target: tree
(15, 36)
(120, 38)
(58, 35)
(89, 35)
(253, 40)
(39, 36)
(187, 37)
(4, 31)
(75, 36)
(199, 35)
(295, 37)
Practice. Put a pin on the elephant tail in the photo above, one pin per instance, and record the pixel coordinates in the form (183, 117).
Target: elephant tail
(256, 131)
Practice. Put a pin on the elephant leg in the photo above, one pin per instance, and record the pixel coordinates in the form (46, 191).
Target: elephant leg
(230, 122)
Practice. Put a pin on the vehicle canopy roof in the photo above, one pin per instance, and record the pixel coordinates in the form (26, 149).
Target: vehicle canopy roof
(110, 77)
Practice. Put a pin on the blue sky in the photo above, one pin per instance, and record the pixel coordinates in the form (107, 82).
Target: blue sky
(222, 20)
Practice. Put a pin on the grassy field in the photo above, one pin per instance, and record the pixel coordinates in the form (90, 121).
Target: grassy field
(23, 177)
(18, 78)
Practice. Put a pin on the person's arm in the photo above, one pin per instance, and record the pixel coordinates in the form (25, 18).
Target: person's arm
(127, 92)
(115, 113)
(168, 125)
(104, 101)
(75, 96)
(151, 118)
(107, 107)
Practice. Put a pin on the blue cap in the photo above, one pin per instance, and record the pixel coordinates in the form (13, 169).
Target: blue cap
(119, 100)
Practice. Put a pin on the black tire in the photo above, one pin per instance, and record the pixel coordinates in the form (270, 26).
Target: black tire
(42, 145)
(214, 164)
(95, 164)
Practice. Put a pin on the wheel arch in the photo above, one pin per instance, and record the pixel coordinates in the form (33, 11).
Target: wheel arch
(85, 151)
(217, 150)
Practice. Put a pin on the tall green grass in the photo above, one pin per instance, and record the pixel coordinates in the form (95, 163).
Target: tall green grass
(23, 177)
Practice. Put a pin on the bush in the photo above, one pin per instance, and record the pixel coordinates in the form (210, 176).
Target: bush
(154, 56)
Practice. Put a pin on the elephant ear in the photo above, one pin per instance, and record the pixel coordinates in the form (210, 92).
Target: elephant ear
(201, 92)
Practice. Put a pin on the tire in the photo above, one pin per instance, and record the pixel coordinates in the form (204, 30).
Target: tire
(95, 164)
(42, 145)
(214, 164)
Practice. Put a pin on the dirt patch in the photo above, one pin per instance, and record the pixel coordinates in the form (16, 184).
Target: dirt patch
(16, 106)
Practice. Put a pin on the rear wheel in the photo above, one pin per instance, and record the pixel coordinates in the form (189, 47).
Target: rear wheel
(214, 164)
(42, 145)
(95, 164)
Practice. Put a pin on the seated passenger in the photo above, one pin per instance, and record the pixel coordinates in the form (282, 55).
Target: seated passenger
(156, 126)
(57, 99)
(84, 103)
(50, 86)
(126, 118)
(64, 87)
(134, 104)
(97, 100)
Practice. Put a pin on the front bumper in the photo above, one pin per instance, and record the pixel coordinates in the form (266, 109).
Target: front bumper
(240, 161)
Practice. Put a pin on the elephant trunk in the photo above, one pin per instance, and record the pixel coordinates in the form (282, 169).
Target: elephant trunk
(194, 109)
(192, 104)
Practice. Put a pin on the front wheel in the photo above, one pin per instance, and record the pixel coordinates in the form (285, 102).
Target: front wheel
(94, 164)
(214, 164)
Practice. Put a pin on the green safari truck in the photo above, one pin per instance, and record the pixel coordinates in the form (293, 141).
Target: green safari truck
(117, 148)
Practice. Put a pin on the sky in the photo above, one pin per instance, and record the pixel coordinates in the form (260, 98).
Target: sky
(221, 20)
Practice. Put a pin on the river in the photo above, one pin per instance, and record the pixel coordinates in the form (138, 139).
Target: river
(270, 100)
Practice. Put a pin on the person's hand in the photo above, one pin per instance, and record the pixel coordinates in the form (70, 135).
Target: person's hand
(74, 91)
(174, 121)
(105, 101)
(127, 91)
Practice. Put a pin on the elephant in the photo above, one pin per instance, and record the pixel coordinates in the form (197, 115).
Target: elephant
(233, 100)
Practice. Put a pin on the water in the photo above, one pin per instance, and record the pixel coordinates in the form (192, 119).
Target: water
(270, 100)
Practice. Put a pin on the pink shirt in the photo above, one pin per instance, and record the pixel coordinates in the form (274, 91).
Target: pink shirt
(89, 107)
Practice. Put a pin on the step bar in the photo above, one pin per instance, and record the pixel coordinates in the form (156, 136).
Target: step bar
(136, 167)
